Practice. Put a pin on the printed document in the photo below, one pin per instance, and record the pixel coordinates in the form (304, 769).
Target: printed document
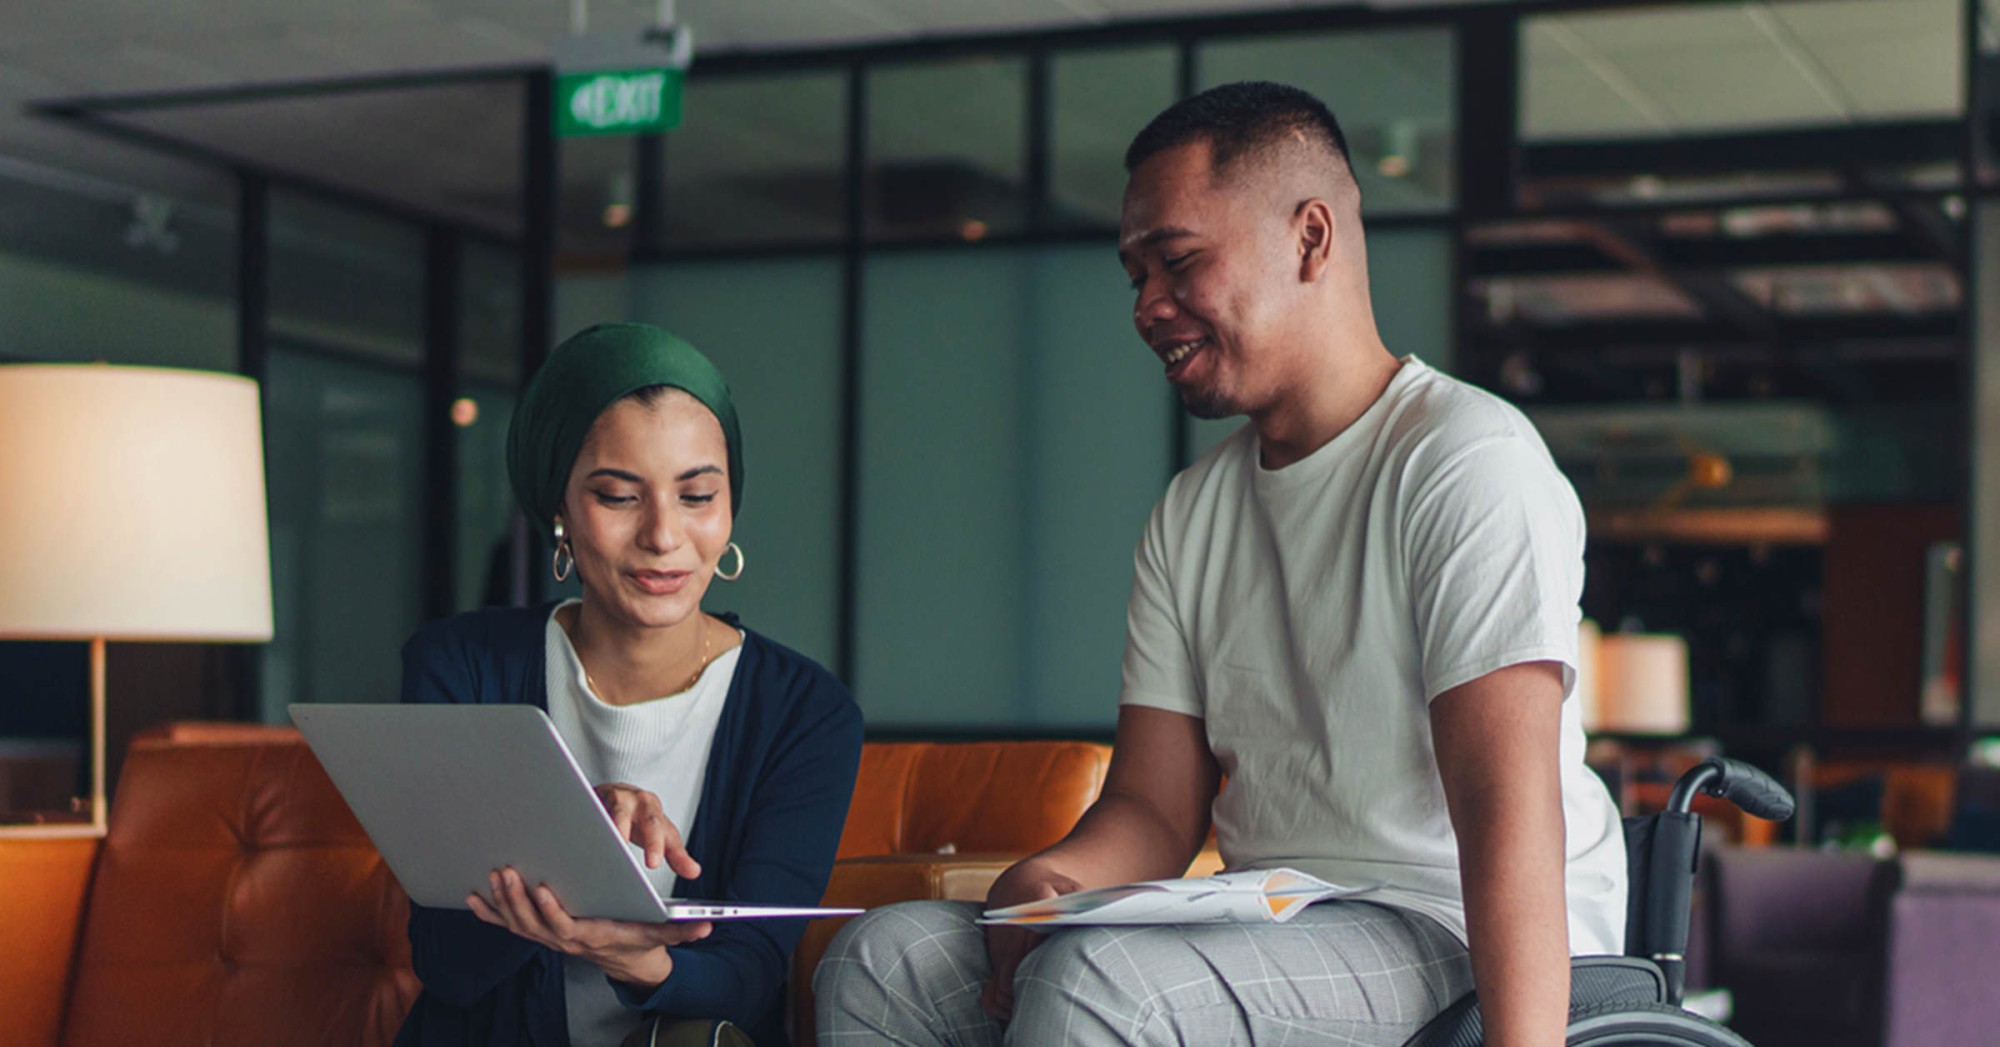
(1251, 896)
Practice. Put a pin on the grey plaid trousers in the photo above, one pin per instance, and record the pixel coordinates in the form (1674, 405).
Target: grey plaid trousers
(1345, 973)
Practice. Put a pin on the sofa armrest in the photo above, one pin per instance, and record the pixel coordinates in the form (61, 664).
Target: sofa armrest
(1941, 966)
(43, 887)
(883, 879)
(877, 880)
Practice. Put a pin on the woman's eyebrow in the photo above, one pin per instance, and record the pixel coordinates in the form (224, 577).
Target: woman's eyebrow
(617, 474)
(698, 471)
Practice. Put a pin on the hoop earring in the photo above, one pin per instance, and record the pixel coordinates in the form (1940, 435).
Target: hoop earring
(733, 575)
(564, 560)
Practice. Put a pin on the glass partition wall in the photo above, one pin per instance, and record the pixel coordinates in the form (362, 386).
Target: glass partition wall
(1672, 232)
(971, 433)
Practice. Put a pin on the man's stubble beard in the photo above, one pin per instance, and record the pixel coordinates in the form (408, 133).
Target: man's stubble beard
(1211, 402)
(1206, 404)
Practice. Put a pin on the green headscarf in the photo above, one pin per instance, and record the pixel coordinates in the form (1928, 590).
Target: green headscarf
(589, 372)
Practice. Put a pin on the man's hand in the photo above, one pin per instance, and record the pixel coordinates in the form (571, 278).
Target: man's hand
(1006, 947)
(1146, 824)
(640, 819)
(631, 952)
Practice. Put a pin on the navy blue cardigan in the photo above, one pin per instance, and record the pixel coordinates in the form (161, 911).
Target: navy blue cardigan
(780, 775)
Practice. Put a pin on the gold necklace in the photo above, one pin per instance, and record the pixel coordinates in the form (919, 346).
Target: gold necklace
(701, 626)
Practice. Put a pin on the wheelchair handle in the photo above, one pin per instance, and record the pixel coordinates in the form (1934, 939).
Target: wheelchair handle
(1739, 783)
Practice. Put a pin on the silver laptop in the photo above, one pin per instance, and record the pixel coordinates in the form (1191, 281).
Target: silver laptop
(449, 793)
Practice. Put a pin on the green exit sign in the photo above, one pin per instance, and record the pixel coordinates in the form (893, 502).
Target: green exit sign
(637, 101)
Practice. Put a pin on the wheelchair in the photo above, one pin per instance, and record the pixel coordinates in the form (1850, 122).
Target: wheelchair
(1634, 1000)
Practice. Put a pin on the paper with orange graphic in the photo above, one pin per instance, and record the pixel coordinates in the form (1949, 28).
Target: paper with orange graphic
(1250, 896)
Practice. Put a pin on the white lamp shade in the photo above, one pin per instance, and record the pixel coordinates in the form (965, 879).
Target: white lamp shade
(1642, 683)
(131, 505)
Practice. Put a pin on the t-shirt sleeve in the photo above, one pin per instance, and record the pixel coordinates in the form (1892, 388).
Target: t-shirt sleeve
(1494, 556)
(1158, 670)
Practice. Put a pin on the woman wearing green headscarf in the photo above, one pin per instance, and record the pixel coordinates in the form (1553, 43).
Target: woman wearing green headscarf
(727, 757)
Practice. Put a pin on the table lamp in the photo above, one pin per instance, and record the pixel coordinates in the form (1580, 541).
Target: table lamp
(1642, 684)
(131, 508)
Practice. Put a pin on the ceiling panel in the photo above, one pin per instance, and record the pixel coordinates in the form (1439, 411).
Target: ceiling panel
(1739, 66)
(733, 25)
(966, 16)
(1893, 59)
(1679, 29)
(1742, 84)
(1568, 92)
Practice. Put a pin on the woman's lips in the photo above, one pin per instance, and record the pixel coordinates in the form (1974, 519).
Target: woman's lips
(659, 583)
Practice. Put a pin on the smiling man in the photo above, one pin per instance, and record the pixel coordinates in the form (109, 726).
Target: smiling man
(1359, 611)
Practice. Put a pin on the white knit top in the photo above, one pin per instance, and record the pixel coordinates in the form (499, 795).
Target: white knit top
(660, 746)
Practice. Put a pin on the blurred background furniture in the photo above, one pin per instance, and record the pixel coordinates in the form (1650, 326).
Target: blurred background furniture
(1845, 949)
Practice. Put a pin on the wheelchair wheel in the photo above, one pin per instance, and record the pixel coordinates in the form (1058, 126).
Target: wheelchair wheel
(1645, 1025)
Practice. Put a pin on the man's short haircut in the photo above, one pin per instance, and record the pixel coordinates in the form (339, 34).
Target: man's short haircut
(1240, 121)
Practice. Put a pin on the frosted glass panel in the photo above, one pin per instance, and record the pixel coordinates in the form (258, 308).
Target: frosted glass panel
(1013, 437)
(1409, 284)
(489, 315)
(50, 312)
(596, 299)
(1393, 91)
(346, 279)
(485, 498)
(758, 159)
(946, 152)
(773, 327)
(1099, 99)
(94, 272)
(345, 464)
(1098, 438)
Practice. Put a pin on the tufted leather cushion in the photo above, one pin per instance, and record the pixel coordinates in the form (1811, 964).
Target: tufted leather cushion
(996, 797)
(238, 902)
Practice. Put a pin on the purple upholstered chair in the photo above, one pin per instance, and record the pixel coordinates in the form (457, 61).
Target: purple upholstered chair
(1797, 939)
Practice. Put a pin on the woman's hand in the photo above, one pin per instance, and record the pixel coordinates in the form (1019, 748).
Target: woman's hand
(1006, 946)
(631, 952)
(640, 819)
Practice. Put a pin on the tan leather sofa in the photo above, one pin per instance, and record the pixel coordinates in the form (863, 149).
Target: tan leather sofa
(236, 902)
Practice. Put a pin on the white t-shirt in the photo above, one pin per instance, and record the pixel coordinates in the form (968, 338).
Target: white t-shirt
(660, 746)
(1309, 614)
